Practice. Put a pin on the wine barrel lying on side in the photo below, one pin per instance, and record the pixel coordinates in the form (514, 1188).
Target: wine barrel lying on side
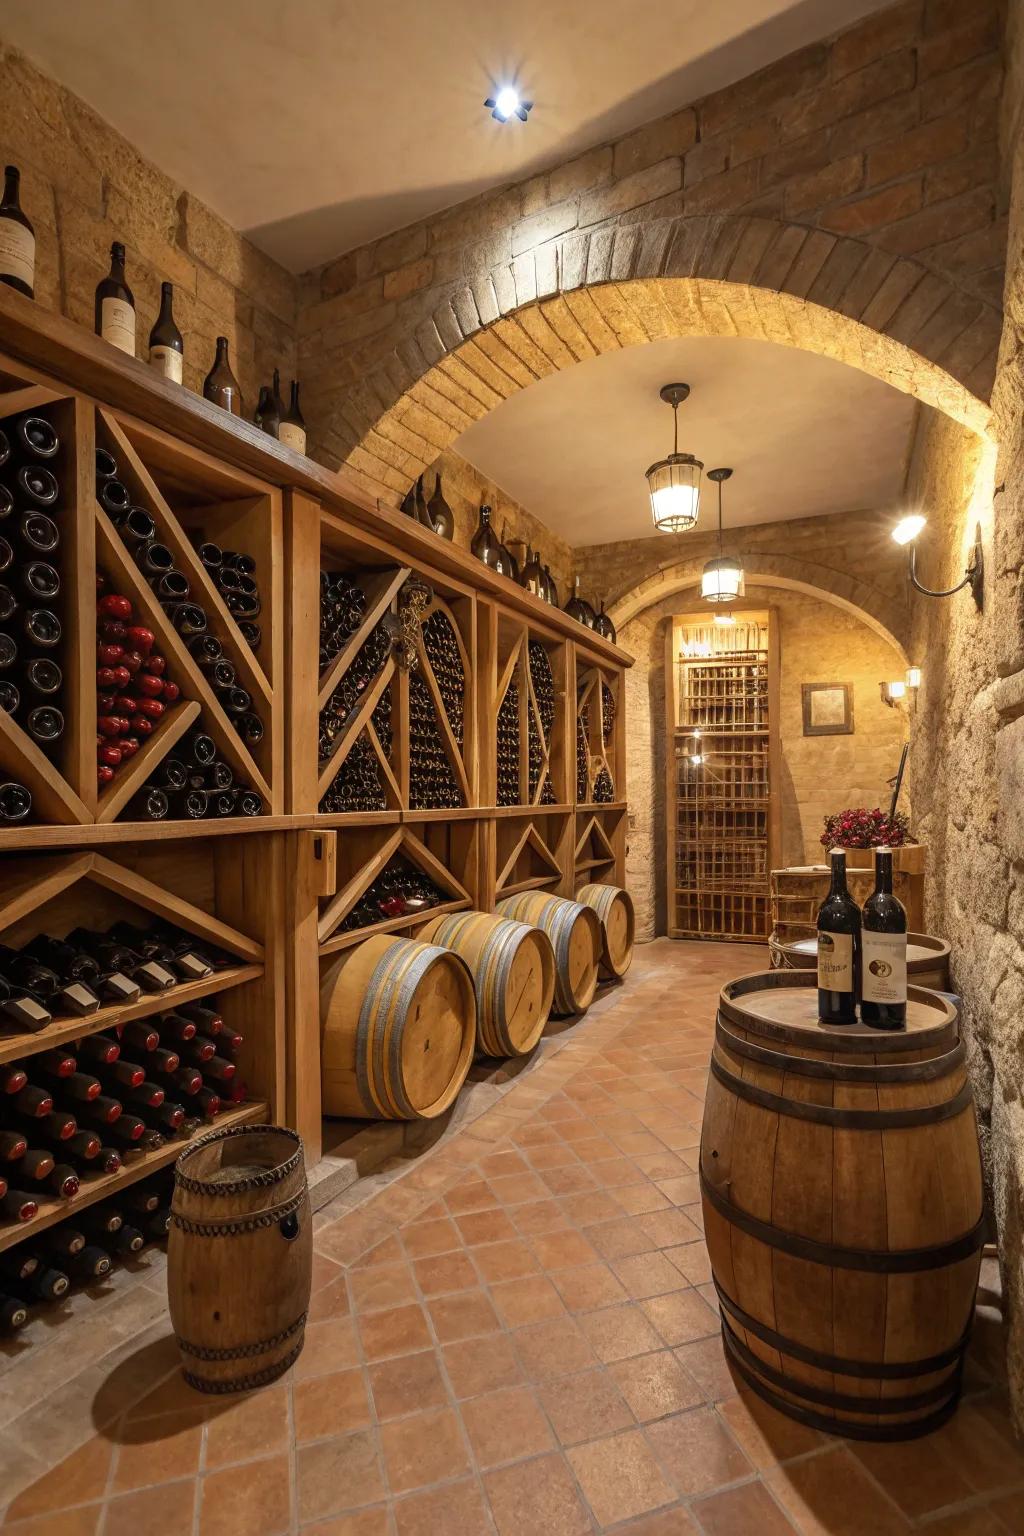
(239, 1257)
(841, 1185)
(614, 907)
(513, 969)
(927, 959)
(575, 934)
(398, 1022)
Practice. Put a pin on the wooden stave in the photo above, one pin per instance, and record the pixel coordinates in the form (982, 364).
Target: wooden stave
(929, 970)
(603, 898)
(768, 1281)
(490, 963)
(251, 1235)
(361, 1054)
(560, 920)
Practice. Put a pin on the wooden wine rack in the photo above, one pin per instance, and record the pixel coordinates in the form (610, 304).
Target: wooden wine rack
(722, 776)
(289, 879)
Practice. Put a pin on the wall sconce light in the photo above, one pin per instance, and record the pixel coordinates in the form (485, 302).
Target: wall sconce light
(906, 532)
(893, 692)
(913, 677)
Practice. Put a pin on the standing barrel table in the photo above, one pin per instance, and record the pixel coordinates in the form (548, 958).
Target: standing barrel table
(575, 934)
(841, 1184)
(614, 907)
(239, 1257)
(927, 959)
(513, 968)
(398, 1023)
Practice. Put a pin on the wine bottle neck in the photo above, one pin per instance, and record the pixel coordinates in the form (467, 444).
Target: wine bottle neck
(166, 302)
(883, 872)
(12, 183)
(838, 861)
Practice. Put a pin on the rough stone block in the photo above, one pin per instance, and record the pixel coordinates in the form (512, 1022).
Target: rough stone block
(751, 98)
(838, 179)
(875, 210)
(544, 226)
(655, 142)
(578, 175)
(929, 144)
(721, 194)
(399, 283)
(546, 264)
(574, 261)
(524, 275)
(504, 289)
(631, 192)
(599, 255)
(874, 37)
(942, 222)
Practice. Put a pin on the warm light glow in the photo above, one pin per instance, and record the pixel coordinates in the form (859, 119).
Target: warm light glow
(721, 580)
(696, 759)
(725, 618)
(908, 528)
(897, 690)
(914, 677)
(506, 102)
(674, 485)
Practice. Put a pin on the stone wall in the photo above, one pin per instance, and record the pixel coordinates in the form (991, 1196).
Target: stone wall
(818, 643)
(858, 173)
(466, 490)
(83, 186)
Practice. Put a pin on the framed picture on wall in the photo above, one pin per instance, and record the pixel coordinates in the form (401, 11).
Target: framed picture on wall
(828, 709)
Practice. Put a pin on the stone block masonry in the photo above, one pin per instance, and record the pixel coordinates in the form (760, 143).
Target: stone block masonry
(84, 185)
(861, 174)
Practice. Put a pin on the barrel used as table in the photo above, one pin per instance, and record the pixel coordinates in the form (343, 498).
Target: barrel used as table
(841, 1182)
(614, 908)
(239, 1257)
(398, 1022)
(927, 959)
(575, 934)
(513, 968)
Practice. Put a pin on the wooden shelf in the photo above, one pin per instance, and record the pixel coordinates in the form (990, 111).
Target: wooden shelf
(14, 1046)
(103, 1186)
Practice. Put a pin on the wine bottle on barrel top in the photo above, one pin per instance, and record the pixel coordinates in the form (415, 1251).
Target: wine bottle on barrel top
(884, 979)
(839, 944)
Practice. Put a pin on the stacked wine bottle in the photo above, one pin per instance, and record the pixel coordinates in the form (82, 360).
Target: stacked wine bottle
(543, 685)
(509, 792)
(82, 1250)
(192, 784)
(400, 890)
(582, 757)
(432, 782)
(132, 687)
(173, 590)
(358, 785)
(604, 789)
(607, 713)
(334, 716)
(31, 598)
(342, 610)
(442, 650)
(233, 573)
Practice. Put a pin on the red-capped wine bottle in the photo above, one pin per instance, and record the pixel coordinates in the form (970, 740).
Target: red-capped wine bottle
(115, 305)
(17, 1205)
(17, 237)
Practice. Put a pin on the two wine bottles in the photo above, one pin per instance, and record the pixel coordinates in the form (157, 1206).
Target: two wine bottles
(862, 955)
(287, 424)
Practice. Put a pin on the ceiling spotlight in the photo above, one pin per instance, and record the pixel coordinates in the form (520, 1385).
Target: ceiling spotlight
(674, 483)
(506, 103)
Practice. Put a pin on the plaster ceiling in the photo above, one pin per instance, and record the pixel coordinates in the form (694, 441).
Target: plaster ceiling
(317, 125)
(804, 434)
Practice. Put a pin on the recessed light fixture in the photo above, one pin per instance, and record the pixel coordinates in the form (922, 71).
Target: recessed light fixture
(506, 103)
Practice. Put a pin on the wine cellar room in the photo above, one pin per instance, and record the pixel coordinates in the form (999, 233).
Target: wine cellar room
(511, 725)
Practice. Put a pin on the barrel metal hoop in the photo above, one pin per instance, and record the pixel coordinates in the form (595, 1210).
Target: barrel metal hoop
(842, 1072)
(911, 1429)
(901, 1261)
(240, 1225)
(868, 1370)
(244, 1383)
(242, 1351)
(264, 1180)
(844, 1119)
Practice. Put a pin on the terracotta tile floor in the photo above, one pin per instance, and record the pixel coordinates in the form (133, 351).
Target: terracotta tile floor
(516, 1337)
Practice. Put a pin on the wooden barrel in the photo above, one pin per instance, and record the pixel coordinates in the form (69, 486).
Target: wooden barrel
(927, 959)
(398, 1028)
(841, 1184)
(239, 1257)
(575, 934)
(513, 969)
(614, 907)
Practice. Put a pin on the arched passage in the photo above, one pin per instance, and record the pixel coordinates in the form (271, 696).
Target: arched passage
(747, 277)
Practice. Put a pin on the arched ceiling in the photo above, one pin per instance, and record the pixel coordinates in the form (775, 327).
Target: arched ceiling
(805, 435)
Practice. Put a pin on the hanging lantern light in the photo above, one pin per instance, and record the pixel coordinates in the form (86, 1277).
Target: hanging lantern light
(721, 580)
(674, 483)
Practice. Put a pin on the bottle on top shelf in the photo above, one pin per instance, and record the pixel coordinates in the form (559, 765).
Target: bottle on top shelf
(276, 397)
(220, 384)
(486, 545)
(115, 305)
(441, 516)
(839, 949)
(265, 415)
(166, 346)
(579, 609)
(292, 431)
(17, 237)
(532, 575)
(423, 516)
(884, 942)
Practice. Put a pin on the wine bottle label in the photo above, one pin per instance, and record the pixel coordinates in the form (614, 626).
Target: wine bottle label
(835, 962)
(292, 436)
(17, 251)
(885, 967)
(167, 361)
(117, 325)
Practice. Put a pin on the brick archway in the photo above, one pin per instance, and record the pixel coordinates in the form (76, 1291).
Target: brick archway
(748, 277)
